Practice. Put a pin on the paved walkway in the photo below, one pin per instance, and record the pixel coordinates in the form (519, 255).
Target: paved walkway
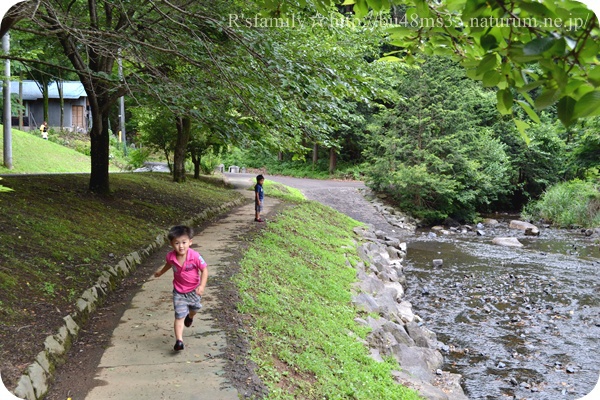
(141, 363)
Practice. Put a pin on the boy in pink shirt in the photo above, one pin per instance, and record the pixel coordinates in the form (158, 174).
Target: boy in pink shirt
(190, 274)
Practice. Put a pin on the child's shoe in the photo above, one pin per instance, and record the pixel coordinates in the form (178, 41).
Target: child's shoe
(178, 345)
(188, 321)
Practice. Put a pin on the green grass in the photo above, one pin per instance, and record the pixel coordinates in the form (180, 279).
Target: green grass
(568, 204)
(295, 284)
(32, 154)
(61, 237)
(275, 189)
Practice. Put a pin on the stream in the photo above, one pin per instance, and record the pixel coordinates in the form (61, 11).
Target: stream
(517, 323)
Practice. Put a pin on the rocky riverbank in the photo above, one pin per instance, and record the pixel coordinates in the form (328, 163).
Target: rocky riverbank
(397, 332)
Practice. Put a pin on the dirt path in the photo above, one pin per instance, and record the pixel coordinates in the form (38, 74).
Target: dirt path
(343, 196)
(126, 352)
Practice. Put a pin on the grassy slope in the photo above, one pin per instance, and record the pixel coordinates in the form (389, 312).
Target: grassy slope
(295, 285)
(32, 154)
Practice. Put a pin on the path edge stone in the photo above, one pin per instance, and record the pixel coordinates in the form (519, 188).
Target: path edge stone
(34, 383)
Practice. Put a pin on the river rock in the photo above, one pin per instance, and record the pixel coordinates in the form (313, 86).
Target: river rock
(371, 285)
(524, 226)
(395, 286)
(490, 221)
(366, 302)
(422, 336)
(399, 332)
(419, 361)
(507, 241)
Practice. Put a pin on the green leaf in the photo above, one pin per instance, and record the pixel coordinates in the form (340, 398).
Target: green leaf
(529, 111)
(488, 62)
(390, 59)
(491, 78)
(547, 98)
(505, 101)
(539, 46)
(565, 109)
(594, 76)
(488, 42)
(536, 9)
(522, 126)
(588, 105)
(531, 86)
(375, 4)
(400, 32)
(361, 8)
(422, 8)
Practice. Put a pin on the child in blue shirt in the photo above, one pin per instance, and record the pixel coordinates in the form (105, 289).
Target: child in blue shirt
(259, 195)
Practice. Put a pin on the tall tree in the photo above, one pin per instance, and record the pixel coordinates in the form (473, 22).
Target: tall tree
(92, 34)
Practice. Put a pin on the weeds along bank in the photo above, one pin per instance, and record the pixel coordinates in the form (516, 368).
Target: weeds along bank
(317, 330)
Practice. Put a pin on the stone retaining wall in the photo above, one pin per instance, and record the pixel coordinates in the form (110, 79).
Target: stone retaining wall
(34, 383)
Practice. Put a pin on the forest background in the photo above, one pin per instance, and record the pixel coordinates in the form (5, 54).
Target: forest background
(449, 119)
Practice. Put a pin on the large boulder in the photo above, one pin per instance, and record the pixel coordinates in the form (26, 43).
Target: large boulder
(526, 227)
(507, 241)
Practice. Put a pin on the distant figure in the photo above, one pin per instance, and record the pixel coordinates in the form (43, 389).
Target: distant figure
(190, 274)
(259, 195)
(44, 130)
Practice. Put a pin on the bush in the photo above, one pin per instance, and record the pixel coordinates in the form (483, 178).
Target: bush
(208, 163)
(568, 204)
(138, 157)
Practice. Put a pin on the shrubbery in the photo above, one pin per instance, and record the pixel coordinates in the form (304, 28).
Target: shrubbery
(568, 204)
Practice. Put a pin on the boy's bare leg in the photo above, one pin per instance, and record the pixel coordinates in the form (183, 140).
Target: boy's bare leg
(178, 327)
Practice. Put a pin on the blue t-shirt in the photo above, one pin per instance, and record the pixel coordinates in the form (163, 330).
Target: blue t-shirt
(259, 189)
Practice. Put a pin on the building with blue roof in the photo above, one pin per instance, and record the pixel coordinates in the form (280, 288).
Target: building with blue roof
(76, 108)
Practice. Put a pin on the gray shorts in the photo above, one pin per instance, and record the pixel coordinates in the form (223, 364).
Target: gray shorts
(258, 207)
(183, 303)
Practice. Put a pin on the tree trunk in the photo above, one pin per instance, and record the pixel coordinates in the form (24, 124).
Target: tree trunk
(196, 160)
(99, 135)
(315, 155)
(59, 85)
(332, 160)
(184, 125)
(21, 103)
(45, 101)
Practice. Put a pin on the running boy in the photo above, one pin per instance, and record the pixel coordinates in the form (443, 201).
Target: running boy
(190, 274)
(259, 195)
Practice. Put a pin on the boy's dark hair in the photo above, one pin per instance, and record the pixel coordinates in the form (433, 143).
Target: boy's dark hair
(259, 177)
(179, 231)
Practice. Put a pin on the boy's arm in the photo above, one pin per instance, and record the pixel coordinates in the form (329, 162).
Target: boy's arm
(164, 269)
(203, 280)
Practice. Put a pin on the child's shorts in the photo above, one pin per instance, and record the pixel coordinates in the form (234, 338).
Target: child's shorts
(258, 207)
(183, 303)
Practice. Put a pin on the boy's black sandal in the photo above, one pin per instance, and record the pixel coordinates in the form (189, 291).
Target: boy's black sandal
(188, 321)
(178, 345)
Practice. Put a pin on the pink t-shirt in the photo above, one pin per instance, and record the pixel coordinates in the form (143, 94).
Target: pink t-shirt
(186, 277)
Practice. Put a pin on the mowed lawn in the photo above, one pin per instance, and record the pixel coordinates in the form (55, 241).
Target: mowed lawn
(31, 154)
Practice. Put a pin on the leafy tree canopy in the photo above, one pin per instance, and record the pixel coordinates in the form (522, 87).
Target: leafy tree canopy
(499, 42)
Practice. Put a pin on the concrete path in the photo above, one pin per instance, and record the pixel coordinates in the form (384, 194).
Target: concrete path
(141, 362)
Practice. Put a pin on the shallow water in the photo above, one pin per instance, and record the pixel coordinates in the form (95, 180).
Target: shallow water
(518, 323)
